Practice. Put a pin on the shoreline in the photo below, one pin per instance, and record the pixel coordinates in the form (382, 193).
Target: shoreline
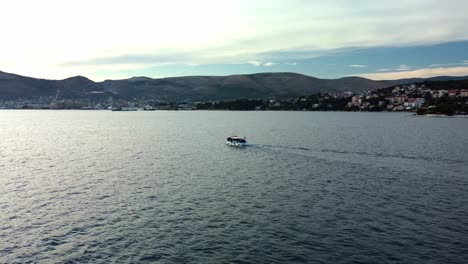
(228, 110)
(443, 116)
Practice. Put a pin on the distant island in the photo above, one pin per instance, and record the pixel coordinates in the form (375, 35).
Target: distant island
(262, 91)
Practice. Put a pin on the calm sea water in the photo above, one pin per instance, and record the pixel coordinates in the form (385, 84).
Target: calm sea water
(144, 187)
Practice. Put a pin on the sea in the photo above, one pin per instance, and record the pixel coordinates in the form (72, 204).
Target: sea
(162, 187)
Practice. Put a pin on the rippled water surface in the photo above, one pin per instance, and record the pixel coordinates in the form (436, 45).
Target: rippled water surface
(144, 187)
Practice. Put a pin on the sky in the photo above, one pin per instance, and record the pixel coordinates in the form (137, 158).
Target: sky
(119, 39)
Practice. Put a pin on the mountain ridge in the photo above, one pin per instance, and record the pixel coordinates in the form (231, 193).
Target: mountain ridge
(200, 88)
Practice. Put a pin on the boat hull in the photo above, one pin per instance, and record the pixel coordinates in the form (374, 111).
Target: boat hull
(236, 144)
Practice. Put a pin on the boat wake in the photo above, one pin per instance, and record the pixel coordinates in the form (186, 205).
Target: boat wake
(358, 153)
(277, 147)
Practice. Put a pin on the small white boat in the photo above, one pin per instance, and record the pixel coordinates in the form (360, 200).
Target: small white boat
(149, 108)
(129, 109)
(235, 141)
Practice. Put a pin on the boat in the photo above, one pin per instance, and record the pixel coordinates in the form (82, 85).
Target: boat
(235, 141)
(149, 108)
(131, 108)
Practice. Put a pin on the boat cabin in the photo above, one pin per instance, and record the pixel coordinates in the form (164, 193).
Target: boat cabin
(235, 139)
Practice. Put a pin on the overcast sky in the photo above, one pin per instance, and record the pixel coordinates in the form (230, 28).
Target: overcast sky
(323, 38)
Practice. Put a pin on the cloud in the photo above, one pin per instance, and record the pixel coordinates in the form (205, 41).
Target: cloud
(153, 59)
(383, 70)
(262, 30)
(259, 63)
(270, 63)
(291, 63)
(419, 73)
(439, 65)
(358, 66)
(403, 67)
(255, 63)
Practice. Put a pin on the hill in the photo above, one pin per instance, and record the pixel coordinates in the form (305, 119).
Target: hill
(261, 85)
(13, 86)
(419, 80)
(194, 88)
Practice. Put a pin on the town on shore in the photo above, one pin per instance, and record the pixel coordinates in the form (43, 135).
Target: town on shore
(419, 98)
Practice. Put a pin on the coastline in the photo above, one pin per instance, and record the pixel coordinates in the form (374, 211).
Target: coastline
(444, 116)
